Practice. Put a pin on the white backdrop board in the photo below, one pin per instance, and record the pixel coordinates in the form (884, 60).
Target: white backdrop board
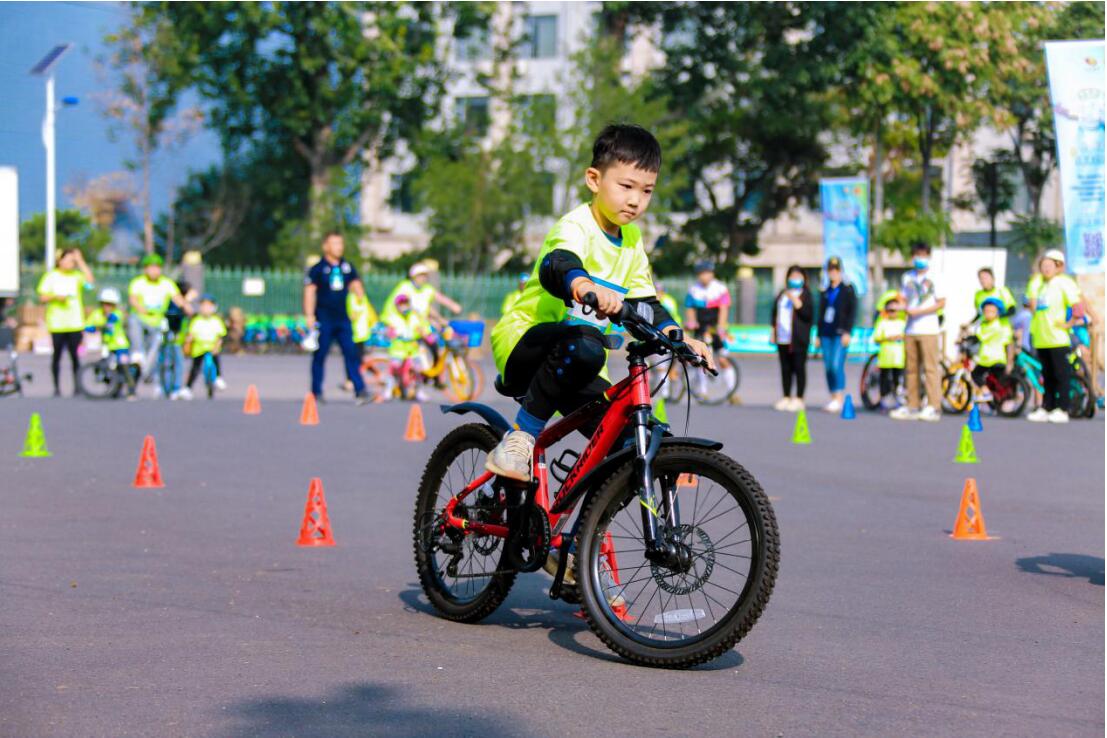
(9, 232)
(956, 269)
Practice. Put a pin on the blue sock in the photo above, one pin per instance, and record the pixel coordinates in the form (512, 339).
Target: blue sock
(524, 421)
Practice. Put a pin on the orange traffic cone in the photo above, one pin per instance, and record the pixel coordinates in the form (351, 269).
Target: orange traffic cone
(252, 406)
(316, 530)
(687, 480)
(309, 415)
(415, 430)
(970, 519)
(148, 475)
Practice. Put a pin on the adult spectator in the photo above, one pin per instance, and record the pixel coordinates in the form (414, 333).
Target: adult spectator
(924, 301)
(837, 313)
(60, 290)
(326, 286)
(988, 289)
(793, 313)
(1052, 294)
(150, 294)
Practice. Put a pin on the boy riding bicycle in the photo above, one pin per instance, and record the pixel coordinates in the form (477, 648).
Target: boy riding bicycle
(550, 350)
(997, 348)
(109, 321)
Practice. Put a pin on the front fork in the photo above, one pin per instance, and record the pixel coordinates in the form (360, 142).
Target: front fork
(647, 442)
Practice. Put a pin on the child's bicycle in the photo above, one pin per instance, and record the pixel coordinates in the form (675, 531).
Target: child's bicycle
(211, 373)
(676, 548)
(870, 384)
(11, 378)
(107, 377)
(459, 377)
(717, 388)
(1008, 395)
(1082, 400)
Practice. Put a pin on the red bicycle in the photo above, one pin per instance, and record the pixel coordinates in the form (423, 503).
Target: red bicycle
(674, 553)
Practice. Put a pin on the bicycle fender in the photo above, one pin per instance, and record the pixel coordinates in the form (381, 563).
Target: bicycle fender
(592, 480)
(488, 414)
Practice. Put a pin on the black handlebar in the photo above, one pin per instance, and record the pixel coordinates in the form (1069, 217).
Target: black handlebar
(628, 317)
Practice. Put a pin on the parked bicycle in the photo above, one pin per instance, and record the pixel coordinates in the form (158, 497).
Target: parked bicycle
(11, 378)
(674, 553)
(870, 384)
(1082, 399)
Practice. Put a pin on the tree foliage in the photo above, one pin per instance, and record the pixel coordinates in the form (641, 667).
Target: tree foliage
(74, 230)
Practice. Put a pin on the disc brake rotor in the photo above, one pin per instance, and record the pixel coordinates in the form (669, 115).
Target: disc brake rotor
(683, 583)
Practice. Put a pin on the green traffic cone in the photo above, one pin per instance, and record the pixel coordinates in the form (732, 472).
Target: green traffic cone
(966, 452)
(34, 446)
(801, 435)
(659, 412)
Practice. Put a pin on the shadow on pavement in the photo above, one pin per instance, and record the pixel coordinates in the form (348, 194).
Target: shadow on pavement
(563, 626)
(358, 710)
(1076, 566)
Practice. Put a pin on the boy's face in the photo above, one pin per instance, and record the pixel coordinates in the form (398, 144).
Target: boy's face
(207, 307)
(990, 312)
(893, 307)
(107, 307)
(153, 271)
(987, 281)
(622, 191)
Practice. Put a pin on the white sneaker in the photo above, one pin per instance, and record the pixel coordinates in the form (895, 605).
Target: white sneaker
(1058, 416)
(175, 395)
(512, 457)
(904, 413)
(797, 405)
(834, 406)
(220, 384)
(421, 395)
(1041, 415)
(784, 404)
(184, 394)
(158, 392)
(929, 415)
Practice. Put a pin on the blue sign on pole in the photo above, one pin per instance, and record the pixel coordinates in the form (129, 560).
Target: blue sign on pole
(845, 202)
(1076, 90)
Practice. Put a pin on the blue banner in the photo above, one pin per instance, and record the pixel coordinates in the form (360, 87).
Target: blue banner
(1075, 71)
(845, 203)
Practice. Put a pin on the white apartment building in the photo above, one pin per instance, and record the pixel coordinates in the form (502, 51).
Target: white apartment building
(550, 33)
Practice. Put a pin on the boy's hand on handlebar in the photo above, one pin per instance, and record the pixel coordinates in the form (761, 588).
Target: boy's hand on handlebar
(701, 350)
(609, 302)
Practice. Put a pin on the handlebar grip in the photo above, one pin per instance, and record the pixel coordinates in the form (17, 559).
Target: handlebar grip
(590, 300)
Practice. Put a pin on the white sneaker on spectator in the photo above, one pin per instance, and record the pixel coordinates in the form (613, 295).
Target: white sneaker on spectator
(220, 384)
(833, 406)
(1057, 415)
(184, 393)
(1041, 415)
(929, 415)
(797, 405)
(158, 391)
(904, 413)
(784, 404)
(175, 395)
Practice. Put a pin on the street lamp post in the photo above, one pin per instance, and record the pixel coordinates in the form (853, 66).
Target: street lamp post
(45, 68)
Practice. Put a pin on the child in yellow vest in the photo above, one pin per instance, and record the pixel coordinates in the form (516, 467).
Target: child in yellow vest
(891, 357)
(205, 336)
(405, 328)
(110, 322)
(997, 346)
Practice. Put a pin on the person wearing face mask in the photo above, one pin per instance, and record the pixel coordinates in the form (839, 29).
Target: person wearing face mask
(837, 311)
(793, 312)
(924, 301)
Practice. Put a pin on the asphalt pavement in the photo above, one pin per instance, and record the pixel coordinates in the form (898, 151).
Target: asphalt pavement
(190, 611)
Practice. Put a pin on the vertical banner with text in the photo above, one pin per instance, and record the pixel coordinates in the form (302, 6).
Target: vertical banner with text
(1075, 70)
(845, 202)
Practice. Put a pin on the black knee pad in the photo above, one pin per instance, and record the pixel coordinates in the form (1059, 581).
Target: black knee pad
(576, 361)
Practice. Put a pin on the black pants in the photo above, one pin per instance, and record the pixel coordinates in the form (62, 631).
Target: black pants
(68, 342)
(198, 365)
(889, 380)
(555, 368)
(1056, 377)
(793, 364)
(980, 373)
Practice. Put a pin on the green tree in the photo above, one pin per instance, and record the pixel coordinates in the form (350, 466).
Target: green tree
(337, 81)
(74, 230)
(995, 189)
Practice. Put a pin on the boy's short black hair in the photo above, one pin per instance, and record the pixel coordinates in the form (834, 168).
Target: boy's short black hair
(986, 270)
(626, 143)
(920, 247)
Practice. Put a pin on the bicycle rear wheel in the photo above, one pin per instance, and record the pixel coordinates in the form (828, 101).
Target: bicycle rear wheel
(167, 369)
(715, 390)
(1016, 395)
(464, 575)
(682, 615)
(99, 380)
(1081, 397)
(870, 384)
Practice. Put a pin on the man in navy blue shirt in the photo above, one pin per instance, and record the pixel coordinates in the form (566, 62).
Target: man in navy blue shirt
(326, 285)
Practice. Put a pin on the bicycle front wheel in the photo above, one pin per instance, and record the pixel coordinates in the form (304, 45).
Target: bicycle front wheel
(98, 380)
(956, 393)
(870, 384)
(465, 379)
(694, 609)
(167, 369)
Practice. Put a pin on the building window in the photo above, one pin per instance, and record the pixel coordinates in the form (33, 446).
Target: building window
(400, 197)
(474, 46)
(473, 115)
(539, 37)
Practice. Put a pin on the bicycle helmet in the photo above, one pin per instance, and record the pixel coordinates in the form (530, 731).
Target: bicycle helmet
(151, 260)
(110, 295)
(418, 268)
(998, 303)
